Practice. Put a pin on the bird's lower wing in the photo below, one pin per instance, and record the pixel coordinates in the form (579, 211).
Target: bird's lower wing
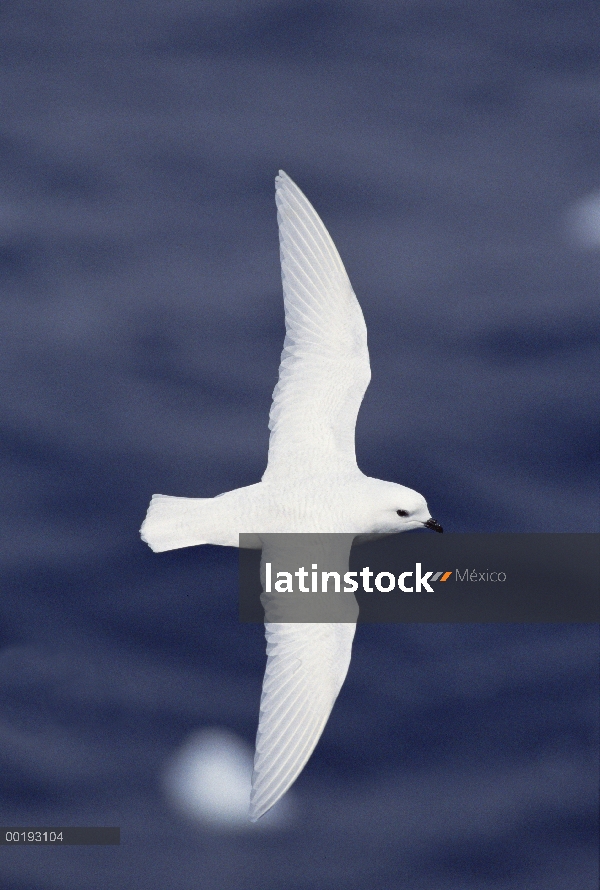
(307, 658)
(306, 667)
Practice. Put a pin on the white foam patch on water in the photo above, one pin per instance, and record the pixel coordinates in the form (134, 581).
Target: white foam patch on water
(583, 221)
(209, 778)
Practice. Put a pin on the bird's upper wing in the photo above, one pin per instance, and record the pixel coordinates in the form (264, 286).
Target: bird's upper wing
(324, 368)
(306, 664)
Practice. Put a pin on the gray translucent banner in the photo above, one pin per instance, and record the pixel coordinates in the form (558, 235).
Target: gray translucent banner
(420, 577)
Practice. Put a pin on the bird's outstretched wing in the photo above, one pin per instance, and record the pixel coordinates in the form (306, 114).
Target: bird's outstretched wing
(306, 662)
(324, 368)
(306, 667)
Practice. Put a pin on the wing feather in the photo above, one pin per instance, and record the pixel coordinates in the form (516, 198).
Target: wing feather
(306, 667)
(324, 369)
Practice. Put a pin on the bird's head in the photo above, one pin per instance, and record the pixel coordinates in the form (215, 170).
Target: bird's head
(399, 509)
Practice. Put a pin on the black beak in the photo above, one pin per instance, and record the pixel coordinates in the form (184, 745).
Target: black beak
(433, 525)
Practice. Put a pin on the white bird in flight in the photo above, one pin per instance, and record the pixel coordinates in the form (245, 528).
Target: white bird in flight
(311, 484)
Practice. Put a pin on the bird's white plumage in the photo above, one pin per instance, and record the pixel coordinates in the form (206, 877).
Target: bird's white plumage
(324, 368)
(311, 485)
(306, 663)
(306, 667)
(323, 375)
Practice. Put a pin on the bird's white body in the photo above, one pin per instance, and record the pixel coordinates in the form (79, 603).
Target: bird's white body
(349, 502)
(312, 484)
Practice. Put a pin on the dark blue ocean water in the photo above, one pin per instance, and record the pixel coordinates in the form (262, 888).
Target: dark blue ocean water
(141, 323)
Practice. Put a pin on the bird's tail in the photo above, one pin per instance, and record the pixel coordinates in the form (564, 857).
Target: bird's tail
(173, 522)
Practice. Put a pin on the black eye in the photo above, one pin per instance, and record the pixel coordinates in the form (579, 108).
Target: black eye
(402, 512)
